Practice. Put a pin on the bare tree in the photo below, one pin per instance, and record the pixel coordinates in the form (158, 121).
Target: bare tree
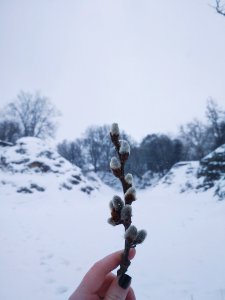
(93, 151)
(220, 7)
(159, 152)
(34, 113)
(98, 147)
(10, 131)
(195, 136)
(216, 119)
(73, 152)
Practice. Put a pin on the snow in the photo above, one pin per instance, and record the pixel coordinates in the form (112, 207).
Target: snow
(32, 156)
(218, 151)
(49, 240)
(182, 174)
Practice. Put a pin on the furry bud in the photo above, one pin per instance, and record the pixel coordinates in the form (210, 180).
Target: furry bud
(141, 235)
(126, 213)
(117, 203)
(115, 215)
(111, 205)
(111, 222)
(124, 147)
(131, 233)
(114, 163)
(130, 195)
(115, 166)
(115, 129)
(129, 178)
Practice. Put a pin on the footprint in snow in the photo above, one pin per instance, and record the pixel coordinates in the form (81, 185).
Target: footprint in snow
(65, 262)
(49, 280)
(47, 257)
(61, 290)
(44, 259)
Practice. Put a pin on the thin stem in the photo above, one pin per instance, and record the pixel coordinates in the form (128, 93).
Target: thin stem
(115, 141)
(125, 262)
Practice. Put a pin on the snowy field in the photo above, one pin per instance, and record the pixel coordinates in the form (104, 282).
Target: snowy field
(49, 240)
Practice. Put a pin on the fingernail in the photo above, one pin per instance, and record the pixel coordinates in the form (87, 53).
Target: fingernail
(124, 281)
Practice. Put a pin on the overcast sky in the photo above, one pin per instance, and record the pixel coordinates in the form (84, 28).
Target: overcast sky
(148, 65)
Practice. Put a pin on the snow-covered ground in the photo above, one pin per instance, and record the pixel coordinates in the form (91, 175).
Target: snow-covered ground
(50, 239)
(53, 227)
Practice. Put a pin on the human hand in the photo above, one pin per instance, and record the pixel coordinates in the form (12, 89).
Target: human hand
(100, 283)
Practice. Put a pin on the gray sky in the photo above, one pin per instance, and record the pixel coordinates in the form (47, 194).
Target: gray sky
(148, 65)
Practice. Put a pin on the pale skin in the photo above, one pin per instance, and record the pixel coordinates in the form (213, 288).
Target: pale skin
(100, 283)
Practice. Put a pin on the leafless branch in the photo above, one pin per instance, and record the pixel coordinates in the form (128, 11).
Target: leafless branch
(220, 7)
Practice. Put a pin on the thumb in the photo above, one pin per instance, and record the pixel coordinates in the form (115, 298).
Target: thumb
(119, 288)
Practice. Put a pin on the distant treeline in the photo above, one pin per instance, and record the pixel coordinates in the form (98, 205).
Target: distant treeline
(156, 152)
(34, 115)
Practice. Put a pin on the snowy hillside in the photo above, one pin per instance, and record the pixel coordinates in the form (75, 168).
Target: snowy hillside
(183, 176)
(197, 177)
(54, 226)
(33, 166)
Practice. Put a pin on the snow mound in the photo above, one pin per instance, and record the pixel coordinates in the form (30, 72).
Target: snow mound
(31, 165)
(183, 176)
(194, 176)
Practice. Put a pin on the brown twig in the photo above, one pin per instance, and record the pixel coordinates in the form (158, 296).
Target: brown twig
(125, 262)
(115, 141)
(120, 213)
(220, 8)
